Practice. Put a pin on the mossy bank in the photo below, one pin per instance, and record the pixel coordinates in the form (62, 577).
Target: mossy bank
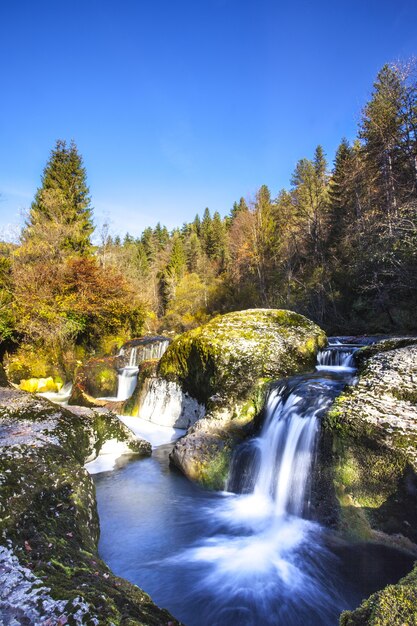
(226, 365)
(367, 469)
(51, 572)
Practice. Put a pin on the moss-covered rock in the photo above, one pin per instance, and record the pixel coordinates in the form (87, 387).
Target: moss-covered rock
(396, 605)
(370, 459)
(226, 365)
(49, 524)
(95, 379)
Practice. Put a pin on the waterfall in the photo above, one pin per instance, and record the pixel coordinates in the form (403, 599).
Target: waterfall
(133, 356)
(127, 380)
(277, 465)
(146, 349)
(337, 357)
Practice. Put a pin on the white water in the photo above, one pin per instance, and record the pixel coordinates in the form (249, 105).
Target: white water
(148, 350)
(155, 434)
(286, 445)
(127, 381)
(111, 453)
(128, 377)
(61, 397)
(337, 357)
(245, 558)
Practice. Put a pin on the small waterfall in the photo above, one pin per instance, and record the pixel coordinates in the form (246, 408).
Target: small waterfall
(276, 466)
(287, 446)
(127, 380)
(133, 357)
(336, 356)
(147, 349)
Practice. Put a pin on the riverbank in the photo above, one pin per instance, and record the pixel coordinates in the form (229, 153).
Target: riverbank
(50, 570)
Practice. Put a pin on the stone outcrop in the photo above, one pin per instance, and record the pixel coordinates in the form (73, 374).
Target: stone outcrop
(50, 572)
(226, 366)
(369, 456)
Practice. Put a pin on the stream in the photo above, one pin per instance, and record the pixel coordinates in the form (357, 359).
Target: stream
(250, 555)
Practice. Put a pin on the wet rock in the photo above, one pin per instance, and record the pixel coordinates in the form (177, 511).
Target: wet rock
(371, 461)
(50, 572)
(226, 365)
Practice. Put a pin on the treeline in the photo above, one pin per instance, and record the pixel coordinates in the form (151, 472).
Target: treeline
(339, 246)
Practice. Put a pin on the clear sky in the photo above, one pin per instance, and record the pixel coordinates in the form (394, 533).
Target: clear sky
(176, 105)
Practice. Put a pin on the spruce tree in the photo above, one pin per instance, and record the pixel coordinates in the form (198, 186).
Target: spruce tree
(63, 199)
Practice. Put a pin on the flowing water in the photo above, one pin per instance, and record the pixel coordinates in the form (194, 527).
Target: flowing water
(146, 349)
(250, 555)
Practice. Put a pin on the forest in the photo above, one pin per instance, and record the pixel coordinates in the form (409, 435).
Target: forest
(338, 245)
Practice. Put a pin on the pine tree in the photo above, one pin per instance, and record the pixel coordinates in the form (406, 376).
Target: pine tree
(218, 240)
(193, 253)
(63, 200)
(177, 260)
(380, 132)
(206, 231)
(237, 208)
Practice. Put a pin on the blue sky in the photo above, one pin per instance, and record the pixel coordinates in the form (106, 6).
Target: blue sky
(179, 105)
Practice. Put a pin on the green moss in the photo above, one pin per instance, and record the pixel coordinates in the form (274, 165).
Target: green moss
(48, 513)
(396, 605)
(213, 475)
(228, 355)
(406, 395)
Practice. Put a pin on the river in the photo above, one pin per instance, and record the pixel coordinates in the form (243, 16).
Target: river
(250, 555)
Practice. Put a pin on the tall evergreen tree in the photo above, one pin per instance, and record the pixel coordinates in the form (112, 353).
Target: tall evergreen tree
(63, 199)
(380, 131)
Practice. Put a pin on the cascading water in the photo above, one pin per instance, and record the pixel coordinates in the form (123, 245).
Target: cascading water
(149, 348)
(250, 555)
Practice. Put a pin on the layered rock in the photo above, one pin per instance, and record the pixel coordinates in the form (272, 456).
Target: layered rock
(226, 366)
(50, 572)
(369, 455)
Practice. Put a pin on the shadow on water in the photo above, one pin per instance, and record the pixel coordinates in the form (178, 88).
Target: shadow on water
(247, 558)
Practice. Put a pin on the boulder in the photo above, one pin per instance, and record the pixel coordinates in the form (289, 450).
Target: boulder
(368, 456)
(95, 379)
(226, 366)
(161, 401)
(51, 572)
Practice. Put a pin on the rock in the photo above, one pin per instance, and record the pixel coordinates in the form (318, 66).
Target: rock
(95, 379)
(161, 401)
(226, 365)
(50, 571)
(370, 435)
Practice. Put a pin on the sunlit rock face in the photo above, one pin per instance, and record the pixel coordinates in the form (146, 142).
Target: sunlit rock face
(164, 403)
(50, 571)
(371, 434)
(226, 365)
